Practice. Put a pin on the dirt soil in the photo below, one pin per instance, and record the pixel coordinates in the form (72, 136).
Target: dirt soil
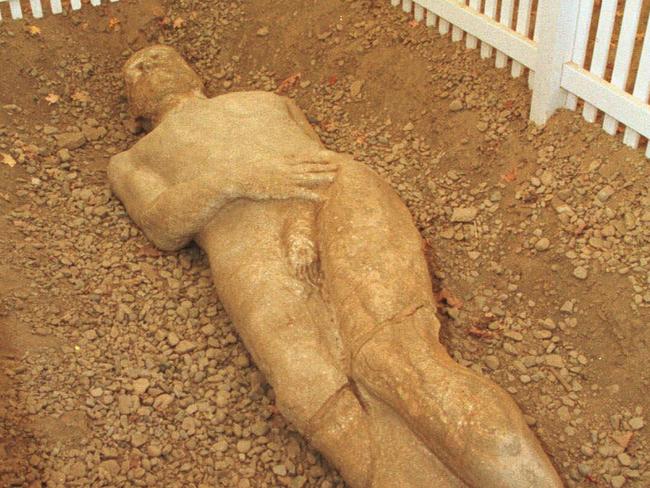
(118, 365)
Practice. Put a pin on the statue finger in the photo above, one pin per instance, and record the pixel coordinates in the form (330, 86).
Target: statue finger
(316, 168)
(305, 194)
(314, 179)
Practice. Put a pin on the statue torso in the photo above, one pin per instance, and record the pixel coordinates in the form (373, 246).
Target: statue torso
(202, 135)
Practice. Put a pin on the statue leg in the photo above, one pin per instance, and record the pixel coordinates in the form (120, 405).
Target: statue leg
(285, 326)
(376, 277)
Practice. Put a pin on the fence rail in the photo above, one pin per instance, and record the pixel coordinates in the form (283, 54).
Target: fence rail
(568, 53)
(36, 6)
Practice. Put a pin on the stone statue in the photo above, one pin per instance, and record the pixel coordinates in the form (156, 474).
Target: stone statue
(319, 266)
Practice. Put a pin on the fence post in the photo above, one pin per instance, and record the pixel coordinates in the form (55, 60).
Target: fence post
(556, 30)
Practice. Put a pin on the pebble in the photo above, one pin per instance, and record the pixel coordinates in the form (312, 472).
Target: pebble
(456, 106)
(140, 386)
(581, 273)
(464, 214)
(71, 140)
(244, 446)
(636, 423)
(185, 346)
(491, 362)
(542, 244)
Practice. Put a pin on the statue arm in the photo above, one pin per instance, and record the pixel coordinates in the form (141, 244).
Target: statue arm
(170, 216)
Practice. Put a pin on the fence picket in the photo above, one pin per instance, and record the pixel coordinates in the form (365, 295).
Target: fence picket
(56, 6)
(431, 18)
(418, 12)
(443, 27)
(624, 51)
(37, 8)
(580, 46)
(407, 6)
(507, 10)
(95, 2)
(75, 4)
(490, 12)
(523, 27)
(395, 3)
(601, 49)
(641, 87)
(16, 9)
(457, 32)
(471, 42)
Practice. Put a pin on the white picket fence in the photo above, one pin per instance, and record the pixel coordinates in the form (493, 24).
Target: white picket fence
(36, 6)
(554, 39)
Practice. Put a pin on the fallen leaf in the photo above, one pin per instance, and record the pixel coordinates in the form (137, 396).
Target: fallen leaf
(414, 23)
(113, 23)
(33, 30)
(510, 176)
(178, 22)
(8, 160)
(149, 251)
(288, 83)
(445, 295)
(331, 81)
(52, 98)
(480, 333)
(81, 96)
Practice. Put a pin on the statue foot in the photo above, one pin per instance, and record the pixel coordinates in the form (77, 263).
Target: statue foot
(470, 423)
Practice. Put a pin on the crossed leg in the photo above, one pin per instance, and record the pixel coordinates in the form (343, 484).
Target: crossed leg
(376, 277)
(285, 326)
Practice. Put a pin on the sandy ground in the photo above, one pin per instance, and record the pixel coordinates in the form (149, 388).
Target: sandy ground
(118, 366)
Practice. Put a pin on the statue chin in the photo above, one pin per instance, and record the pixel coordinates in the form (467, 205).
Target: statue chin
(322, 272)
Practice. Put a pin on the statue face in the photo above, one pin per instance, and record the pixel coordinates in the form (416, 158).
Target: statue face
(156, 77)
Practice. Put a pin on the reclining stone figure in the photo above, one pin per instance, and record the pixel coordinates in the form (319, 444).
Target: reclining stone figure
(319, 266)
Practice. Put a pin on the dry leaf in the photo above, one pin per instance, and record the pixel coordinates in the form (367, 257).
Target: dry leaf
(8, 160)
(178, 22)
(480, 333)
(149, 251)
(331, 81)
(33, 30)
(113, 23)
(445, 295)
(81, 96)
(52, 98)
(510, 176)
(288, 83)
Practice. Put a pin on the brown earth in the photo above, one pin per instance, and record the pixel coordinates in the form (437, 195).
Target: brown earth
(546, 289)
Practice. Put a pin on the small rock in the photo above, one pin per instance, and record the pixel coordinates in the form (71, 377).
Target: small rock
(456, 106)
(617, 481)
(554, 360)
(185, 347)
(244, 446)
(464, 214)
(581, 273)
(543, 244)
(140, 386)
(636, 423)
(138, 439)
(71, 140)
(605, 193)
(263, 31)
(491, 362)
(355, 88)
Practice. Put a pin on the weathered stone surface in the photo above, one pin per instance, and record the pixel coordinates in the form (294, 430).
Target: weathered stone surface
(321, 269)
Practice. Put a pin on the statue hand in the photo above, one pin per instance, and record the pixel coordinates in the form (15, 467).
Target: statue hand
(283, 179)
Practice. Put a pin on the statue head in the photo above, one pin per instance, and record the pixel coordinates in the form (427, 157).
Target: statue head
(157, 79)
